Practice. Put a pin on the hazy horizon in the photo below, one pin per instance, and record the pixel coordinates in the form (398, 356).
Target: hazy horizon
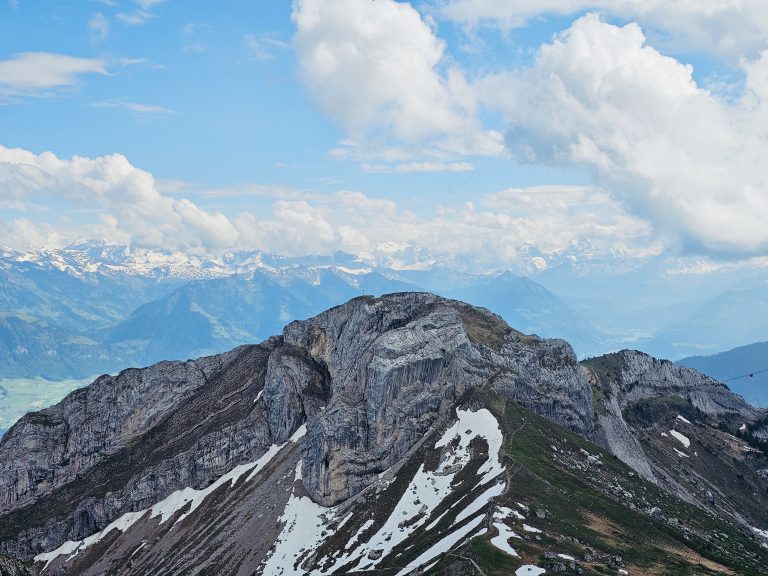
(513, 135)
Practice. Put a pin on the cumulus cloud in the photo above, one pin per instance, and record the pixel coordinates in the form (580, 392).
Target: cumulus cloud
(522, 228)
(42, 73)
(599, 96)
(107, 198)
(728, 28)
(20, 234)
(127, 199)
(378, 69)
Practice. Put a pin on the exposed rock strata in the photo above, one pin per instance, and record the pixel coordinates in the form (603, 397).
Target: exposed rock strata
(368, 379)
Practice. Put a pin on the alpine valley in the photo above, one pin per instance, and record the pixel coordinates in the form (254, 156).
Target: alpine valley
(67, 315)
(406, 434)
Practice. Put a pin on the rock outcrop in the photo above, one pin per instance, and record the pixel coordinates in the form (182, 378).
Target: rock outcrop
(369, 379)
(12, 567)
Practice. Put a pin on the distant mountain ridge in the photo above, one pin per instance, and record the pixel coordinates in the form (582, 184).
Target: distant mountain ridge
(70, 314)
(736, 317)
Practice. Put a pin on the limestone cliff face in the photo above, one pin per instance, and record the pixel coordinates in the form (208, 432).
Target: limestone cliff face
(368, 379)
(54, 446)
(630, 376)
(373, 376)
(625, 378)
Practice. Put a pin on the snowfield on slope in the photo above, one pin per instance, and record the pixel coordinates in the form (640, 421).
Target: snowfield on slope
(681, 438)
(501, 540)
(306, 524)
(167, 507)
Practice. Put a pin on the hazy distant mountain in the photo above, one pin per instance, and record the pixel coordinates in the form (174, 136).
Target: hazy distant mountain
(736, 317)
(95, 307)
(139, 305)
(634, 301)
(71, 298)
(34, 348)
(531, 308)
(208, 316)
(734, 368)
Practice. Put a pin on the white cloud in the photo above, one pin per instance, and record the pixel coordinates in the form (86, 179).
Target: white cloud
(21, 233)
(136, 107)
(108, 198)
(99, 27)
(520, 228)
(410, 167)
(728, 28)
(147, 4)
(130, 206)
(379, 70)
(194, 48)
(42, 73)
(140, 16)
(599, 97)
(264, 46)
(136, 18)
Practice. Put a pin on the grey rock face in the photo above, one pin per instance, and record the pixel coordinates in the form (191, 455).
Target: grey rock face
(635, 376)
(192, 437)
(399, 363)
(12, 567)
(368, 379)
(395, 366)
(627, 377)
(60, 443)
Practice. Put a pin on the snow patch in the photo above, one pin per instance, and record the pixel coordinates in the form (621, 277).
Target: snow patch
(531, 529)
(258, 396)
(437, 520)
(680, 453)
(501, 540)
(529, 570)
(683, 419)
(73, 548)
(742, 427)
(479, 502)
(681, 437)
(566, 557)
(442, 546)
(167, 507)
(428, 489)
(356, 536)
(305, 529)
(347, 519)
(471, 425)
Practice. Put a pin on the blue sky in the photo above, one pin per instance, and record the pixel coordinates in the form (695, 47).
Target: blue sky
(516, 133)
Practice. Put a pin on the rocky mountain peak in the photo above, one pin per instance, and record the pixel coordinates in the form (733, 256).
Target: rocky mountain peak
(341, 408)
